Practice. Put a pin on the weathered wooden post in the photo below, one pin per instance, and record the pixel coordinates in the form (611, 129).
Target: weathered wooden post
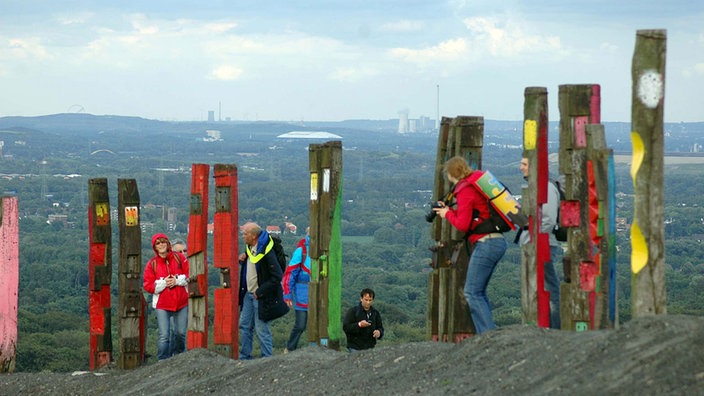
(441, 254)
(584, 162)
(647, 233)
(600, 179)
(197, 258)
(465, 138)
(99, 273)
(131, 304)
(9, 282)
(225, 257)
(535, 299)
(325, 250)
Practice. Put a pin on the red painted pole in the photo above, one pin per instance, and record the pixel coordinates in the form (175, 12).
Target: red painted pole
(198, 263)
(226, 247)
(9, 282)
(99, 273)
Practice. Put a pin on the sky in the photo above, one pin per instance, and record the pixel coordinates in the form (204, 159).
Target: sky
(334, 60)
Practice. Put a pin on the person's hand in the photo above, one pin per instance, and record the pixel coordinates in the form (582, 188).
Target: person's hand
(364, 323)
(376, 333)
(289, 303)
(243, 256)
(170, 281)
(442, 212)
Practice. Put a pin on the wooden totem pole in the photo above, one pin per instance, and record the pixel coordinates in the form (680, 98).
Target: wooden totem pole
(131, 304)
(647, 233)
(584, 161)
(9, 282)
(325, 250)
(535, 299)
(226, 248)
(99, 273)
(197, 258)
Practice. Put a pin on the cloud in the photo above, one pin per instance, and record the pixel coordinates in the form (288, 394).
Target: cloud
(507, 39)
(220, 27)
(226, 73)
(352, 74)
(694, 71)
(446, 50)
(29, 48)
(609, 48)
(76, 18)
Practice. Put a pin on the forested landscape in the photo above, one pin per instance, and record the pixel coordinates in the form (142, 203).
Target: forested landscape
(387, 182)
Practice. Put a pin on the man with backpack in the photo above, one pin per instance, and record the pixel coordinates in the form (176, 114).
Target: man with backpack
(261, 295)
(362, 323)
(296, 279)
(550, 213)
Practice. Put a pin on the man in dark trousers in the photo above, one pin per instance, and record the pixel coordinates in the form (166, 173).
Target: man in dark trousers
(260, 279)
(362, 323)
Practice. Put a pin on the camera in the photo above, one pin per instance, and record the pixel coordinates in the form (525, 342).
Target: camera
(430, 216)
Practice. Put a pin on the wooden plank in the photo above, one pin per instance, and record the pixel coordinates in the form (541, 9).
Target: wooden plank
(9, 282)
(325, 164)
(225, 258)
(99, 273)
(535, 299)
(131, 315)
(647, 231)
(578, 108)
(197, 336)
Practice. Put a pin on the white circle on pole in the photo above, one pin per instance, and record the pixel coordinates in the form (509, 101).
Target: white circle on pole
(650, 88)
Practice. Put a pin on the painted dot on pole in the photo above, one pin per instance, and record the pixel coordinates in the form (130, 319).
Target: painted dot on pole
(650, 88)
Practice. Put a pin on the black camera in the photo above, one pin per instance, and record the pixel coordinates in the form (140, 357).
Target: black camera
(430, 216)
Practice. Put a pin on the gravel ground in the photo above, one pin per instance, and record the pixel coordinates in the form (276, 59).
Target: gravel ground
(658, 355)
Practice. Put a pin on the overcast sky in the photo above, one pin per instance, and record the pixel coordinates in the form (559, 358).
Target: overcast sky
(315, 60)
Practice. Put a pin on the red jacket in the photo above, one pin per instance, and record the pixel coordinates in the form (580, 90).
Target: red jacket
(158, 268)
(468, 199)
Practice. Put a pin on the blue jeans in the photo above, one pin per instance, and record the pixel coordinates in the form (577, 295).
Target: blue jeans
(298, 329)
(249, 324)
(180, 320)
(552, 286)
(482, 263)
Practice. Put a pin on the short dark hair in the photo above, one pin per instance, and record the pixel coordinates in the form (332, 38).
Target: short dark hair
(365, 292)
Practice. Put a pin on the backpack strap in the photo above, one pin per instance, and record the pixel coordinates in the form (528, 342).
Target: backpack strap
(152, 262)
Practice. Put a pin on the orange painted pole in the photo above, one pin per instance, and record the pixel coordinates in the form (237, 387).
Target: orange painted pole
(225, 249)
(9, 282)
(198, 263)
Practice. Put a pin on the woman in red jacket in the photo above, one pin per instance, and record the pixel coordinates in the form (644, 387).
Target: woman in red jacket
(487, 248)
(166, 278)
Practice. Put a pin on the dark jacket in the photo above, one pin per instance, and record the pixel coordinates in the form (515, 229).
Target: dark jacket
(268, 270)
(361, 337)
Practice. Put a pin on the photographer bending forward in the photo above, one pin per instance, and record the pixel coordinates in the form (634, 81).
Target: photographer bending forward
(487, 249)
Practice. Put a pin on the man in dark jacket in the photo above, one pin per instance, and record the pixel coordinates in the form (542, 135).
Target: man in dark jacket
(362, 323)
(260, 280)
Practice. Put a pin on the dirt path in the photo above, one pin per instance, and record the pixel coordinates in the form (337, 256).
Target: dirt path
(648, 356)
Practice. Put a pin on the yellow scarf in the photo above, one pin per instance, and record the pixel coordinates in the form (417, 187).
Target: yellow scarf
(255, 258)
